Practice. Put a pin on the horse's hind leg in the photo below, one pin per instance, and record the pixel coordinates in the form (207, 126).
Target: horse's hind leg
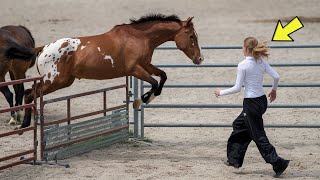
(9, 97)
(18, 88)
(142, 74)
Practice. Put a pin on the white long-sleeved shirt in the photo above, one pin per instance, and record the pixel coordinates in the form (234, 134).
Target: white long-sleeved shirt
(250, 75)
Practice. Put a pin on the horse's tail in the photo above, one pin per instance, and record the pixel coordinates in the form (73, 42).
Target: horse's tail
(36, 51)
(19, 52)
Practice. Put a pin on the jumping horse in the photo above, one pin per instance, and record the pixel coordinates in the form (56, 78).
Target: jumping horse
(16, 57)
(126, 50)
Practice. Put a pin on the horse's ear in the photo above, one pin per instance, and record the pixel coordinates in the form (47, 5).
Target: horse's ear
(189, 21)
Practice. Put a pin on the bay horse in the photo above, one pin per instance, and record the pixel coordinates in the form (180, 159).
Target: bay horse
(16, 57)
(126, 50)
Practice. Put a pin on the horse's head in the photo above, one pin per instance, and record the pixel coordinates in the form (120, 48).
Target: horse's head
(187, 41)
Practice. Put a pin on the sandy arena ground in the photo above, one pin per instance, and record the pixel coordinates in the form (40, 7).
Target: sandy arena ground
(181, 153)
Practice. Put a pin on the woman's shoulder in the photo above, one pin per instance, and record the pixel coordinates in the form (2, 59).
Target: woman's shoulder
(264, 62)
(242, 64)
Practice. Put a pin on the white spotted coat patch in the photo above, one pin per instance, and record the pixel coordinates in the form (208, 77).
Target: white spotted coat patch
(49, 57)
(109, 58)
(82, 47)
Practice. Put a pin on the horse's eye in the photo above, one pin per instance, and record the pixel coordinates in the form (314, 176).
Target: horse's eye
(191, 36)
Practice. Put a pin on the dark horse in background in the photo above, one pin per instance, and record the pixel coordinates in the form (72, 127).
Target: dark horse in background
(16, 56)
(126, 50)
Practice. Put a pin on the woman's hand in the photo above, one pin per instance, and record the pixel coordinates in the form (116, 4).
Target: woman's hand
(217, 92)
(272, 95)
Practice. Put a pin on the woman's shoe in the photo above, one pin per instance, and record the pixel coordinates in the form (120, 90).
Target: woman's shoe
(280, 170)
(235, 165)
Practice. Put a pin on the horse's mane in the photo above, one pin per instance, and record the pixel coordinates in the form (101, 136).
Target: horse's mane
(155, 17)
(29, 34)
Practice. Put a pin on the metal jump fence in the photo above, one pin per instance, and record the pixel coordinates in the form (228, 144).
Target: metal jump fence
(67, 137)
(139, 114)
(60, 140)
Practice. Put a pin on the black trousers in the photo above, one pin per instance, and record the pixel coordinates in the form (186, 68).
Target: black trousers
(249, 126)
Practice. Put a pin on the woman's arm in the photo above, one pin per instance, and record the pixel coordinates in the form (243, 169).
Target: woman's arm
(238, 85)
(275, 76)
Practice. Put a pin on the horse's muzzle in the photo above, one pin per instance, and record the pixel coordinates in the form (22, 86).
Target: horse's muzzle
(198, 60)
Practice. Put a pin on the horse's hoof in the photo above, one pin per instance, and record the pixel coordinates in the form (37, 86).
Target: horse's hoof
(20, 116)
(12, 121)
(150, 98)
(17, 128)
(137, 103)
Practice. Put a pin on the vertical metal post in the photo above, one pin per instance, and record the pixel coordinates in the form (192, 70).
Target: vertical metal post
(127, 101)
(41, 121)
(130, 81)
(68, 111)
(135, 111)
(127, 92)
(68, 117)
(142, 111)
(35, 121)
(142, 122)
(104, 103)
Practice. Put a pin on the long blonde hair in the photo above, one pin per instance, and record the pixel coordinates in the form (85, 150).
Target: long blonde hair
(257, 49)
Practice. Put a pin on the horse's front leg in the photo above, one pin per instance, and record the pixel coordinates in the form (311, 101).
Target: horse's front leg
(143, 75)
(29, 98)
(158, 72)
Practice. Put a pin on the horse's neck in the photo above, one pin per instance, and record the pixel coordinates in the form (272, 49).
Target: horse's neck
(158, 33)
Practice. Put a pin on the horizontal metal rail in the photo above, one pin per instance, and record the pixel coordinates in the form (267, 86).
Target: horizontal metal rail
(231, 85)
(17, 163)
(17, 155)
(83, 94)
(240, 47)
(229, 125)
(295, 64)
(16, 108)
(227, 106)
(18, 131)
(83, 115)
(19, 81)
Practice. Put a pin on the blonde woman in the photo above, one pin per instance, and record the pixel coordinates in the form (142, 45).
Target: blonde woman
(249, 124)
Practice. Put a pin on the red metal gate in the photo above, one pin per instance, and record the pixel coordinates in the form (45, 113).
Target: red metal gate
(17, 158)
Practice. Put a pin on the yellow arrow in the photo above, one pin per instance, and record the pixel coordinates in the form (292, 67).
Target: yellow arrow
(282, 33)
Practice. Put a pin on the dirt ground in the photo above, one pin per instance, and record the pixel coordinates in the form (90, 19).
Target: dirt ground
(181, 153)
